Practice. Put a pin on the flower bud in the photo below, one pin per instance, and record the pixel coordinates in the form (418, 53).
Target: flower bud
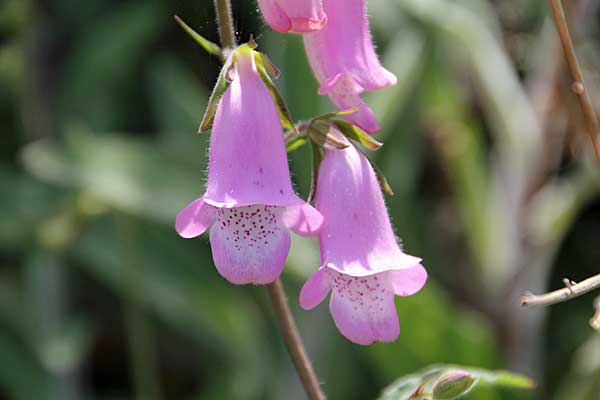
(452, 384)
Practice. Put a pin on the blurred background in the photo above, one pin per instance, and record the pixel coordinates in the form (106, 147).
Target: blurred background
(484, 148)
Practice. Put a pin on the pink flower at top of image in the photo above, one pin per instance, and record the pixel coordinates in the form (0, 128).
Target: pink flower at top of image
(249, 204)
(361, 262)
(344, 61)
(295, 16)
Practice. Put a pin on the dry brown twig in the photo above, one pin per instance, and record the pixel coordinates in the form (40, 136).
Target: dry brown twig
(578, 84)
(572, 290)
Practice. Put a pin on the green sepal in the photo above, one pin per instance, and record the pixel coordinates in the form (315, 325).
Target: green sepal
(317, 157)
(262, 60)
(207, 45)
(355, 133)
(341, 113)
(327, 135)
(282, 109)
(383, 182)
(221, 86)
(295, 140)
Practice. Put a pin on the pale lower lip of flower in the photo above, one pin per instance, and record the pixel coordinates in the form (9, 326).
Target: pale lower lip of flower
(363, 308)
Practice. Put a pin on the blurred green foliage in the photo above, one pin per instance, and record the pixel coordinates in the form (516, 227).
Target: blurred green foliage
(100, 299)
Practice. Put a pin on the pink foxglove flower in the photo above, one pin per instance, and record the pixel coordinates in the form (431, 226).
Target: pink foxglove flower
(297, 16)
(362, 263)
(344, 61)
(249, 204)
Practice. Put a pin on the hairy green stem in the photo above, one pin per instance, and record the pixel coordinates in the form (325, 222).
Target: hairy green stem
(225, 23)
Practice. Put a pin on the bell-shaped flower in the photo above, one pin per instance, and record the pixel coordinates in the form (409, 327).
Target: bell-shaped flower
(361, 261)
(296, 16)
(344, 61)
(249, 204)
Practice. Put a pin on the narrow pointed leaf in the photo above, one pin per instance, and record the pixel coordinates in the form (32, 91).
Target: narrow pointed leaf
(355, 133)
(210, 47)
(213, 102)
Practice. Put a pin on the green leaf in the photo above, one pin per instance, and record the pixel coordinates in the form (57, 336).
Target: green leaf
(282, 109)
(213, 102)
(426, 380)
(210, 47)
(505, 379)
(355, 133)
